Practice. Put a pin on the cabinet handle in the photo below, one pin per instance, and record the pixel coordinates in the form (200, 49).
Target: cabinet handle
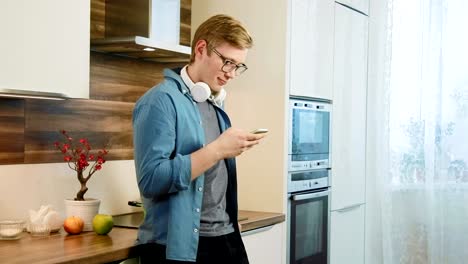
(298, 197)
(354, 9)
(349, 208)
(257, 230)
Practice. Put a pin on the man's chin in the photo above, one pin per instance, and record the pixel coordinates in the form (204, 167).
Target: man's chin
(216, 89)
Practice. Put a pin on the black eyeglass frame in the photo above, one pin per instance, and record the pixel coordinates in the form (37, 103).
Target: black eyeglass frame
(238, 68)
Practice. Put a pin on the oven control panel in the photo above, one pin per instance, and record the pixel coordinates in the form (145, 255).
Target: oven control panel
(307, 185)
(308, 165)
(308, 180)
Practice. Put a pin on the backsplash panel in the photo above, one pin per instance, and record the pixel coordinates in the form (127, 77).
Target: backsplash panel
(103, 123)
(11, 131)
(114, 78)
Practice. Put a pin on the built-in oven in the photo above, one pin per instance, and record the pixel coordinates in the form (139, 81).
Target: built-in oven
(309, 134)
(308, 217)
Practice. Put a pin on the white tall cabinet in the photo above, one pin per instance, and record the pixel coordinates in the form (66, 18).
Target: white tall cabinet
(311, 48)
(349, 136)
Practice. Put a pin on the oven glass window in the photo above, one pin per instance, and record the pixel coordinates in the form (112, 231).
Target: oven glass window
(309, 231)
(310, 133)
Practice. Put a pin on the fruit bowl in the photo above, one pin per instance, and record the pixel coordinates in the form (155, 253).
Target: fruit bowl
(11, 229)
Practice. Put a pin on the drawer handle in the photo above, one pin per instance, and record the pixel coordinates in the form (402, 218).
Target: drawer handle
(349, 208)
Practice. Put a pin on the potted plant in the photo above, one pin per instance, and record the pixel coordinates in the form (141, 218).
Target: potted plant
(85, 162)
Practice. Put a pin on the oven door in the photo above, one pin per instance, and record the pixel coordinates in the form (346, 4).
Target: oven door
(308, 227)
(309, 135)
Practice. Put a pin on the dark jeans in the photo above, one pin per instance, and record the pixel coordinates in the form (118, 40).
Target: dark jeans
(227, 249)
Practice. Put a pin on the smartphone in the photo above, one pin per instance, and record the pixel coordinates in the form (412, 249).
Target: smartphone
(259, 131)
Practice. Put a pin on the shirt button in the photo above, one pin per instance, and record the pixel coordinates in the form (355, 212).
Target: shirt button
(198, 210)
(200, 122)
(200, 189)
(194, 103)
(195, 230)
(203, 145)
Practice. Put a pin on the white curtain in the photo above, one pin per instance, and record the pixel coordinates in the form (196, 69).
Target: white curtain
(418, 131)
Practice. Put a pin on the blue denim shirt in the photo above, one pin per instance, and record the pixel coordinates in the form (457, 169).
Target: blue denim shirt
(167, 129)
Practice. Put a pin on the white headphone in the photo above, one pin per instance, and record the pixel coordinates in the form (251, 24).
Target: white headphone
(201, 91)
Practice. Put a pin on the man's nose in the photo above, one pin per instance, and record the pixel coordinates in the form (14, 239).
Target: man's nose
(231, 74)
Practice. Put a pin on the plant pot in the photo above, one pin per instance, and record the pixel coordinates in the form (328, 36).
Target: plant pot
(86, 210)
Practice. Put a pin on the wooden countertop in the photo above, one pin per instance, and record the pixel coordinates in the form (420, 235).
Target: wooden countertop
(86, 247)
(89, 247)
(252, 219)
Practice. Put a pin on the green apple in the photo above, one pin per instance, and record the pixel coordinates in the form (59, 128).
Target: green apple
(102, 224)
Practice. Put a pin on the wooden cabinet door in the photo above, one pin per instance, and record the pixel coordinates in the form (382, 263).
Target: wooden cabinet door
(311, 48)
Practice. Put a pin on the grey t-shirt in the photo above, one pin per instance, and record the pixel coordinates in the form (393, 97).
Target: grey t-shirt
(214, 219)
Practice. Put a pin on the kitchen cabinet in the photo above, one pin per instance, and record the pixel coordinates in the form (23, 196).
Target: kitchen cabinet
(45, 46)
(311, 48)
(349, 108)
(359, 5)
(347, 236)
(264, 245)
(349, 137)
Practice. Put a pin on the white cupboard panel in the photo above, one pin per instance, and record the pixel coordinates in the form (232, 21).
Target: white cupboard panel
(311, 57)
(265, 246)
(45, 46)
(361, 5)
(347, 236)
(349, 108)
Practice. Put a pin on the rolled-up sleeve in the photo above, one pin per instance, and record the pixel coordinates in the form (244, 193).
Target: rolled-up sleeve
(159, 169)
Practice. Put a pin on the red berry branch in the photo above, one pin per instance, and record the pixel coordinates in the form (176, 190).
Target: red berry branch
(78, 156)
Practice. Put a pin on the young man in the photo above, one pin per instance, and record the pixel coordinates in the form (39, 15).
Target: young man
(185, 150)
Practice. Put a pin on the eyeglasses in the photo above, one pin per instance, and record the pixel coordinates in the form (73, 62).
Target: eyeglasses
(229, 65)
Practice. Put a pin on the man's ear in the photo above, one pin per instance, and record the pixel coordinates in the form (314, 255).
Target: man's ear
(200, 47)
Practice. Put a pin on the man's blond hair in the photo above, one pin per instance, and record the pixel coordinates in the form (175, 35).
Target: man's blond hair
(220, 29)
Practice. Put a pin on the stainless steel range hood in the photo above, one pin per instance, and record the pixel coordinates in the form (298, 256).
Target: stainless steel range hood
(156, 30)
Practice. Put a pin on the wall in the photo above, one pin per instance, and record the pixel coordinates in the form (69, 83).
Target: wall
(29, 186)
(257, 99)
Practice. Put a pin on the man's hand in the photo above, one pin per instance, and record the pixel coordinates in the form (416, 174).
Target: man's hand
(234, 142)
(229, 144)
